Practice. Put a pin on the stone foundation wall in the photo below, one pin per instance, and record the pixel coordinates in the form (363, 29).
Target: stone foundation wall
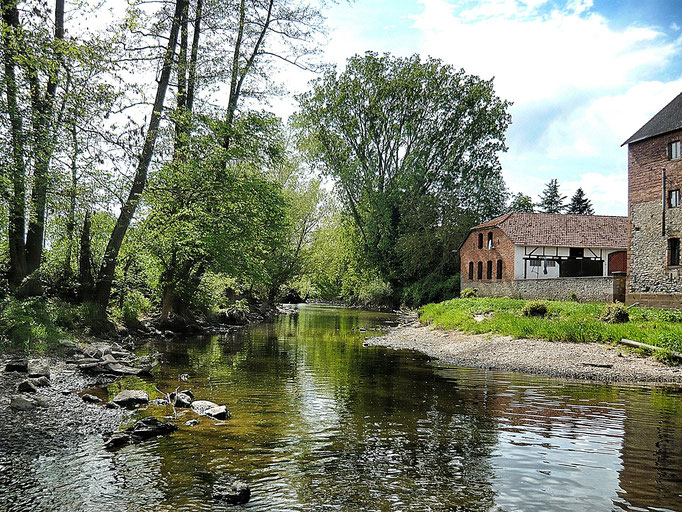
(586, 289)
(648, 265)
(655, 300)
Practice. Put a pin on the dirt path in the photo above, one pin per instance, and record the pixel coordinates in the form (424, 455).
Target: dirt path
(591, 361)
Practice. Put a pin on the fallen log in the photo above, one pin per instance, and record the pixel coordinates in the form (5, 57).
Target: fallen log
(637, 344)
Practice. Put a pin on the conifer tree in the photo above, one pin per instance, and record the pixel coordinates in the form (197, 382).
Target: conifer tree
(580, 204)
(551, 200)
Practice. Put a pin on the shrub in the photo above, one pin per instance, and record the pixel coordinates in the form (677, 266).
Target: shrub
(467, 293)
(615, 314)
(535, 308)
(135, 305)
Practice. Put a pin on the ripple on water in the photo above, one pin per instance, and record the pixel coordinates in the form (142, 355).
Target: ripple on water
(322, 423)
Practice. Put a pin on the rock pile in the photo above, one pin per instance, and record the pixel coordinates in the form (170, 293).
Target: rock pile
(103, 358)
(142, 430)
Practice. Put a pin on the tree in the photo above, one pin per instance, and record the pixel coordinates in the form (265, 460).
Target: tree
(105, 276)
(580, 204)
(522, 203)
(551, 200)
(37, 55)
(412, 146)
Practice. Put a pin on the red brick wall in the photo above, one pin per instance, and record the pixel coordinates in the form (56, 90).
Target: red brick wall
(646, 159)
(503, 249)
(648, 278)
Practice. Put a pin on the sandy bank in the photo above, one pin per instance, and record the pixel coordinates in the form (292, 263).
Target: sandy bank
(590, 361)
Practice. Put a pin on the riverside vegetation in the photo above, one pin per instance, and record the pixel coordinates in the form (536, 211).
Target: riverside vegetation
(559, 321)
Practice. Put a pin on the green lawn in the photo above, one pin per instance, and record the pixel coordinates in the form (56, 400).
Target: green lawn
(565, 321)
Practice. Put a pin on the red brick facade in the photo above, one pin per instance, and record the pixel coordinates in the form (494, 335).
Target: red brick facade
(646, 160)
(652, 280)
(502, 250)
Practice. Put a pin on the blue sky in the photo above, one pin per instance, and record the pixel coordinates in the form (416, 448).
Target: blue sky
(583, 75)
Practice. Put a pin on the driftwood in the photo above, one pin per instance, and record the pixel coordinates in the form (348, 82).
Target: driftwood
(637, 344)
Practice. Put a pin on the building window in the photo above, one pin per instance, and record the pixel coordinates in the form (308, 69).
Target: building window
(471, 271)
(550, 263)
(576, 252)
(489, 270)
(499, 269)
(674, 150)
(480, 240)
(490, 240)
(673, 252)
(534, 263)
(674, 199)
(480, 270)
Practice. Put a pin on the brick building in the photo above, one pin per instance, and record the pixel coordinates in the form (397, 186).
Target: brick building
(542, 255)
(654, 184)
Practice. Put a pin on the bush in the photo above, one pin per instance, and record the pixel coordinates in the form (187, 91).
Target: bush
(467, 293)
(135, 305)
(535, 308)
(432, 288)
(615, 314)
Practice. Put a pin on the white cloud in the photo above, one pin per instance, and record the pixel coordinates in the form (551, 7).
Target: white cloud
(579, 86)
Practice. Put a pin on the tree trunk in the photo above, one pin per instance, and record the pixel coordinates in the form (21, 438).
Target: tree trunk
(71, 219)
(106, 272)
(44, 113)
(17, 207)
(85, 280)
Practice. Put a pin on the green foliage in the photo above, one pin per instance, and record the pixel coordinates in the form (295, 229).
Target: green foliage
(412, 146)
(535, 308)
(580, 204)
(468, 293)
(34, 325)
(565, 321)
(521, 203)
(551, 200)
(615, 314)
(431, 289)
(135, 305)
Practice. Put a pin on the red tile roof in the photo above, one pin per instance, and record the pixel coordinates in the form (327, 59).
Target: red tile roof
(557, 230)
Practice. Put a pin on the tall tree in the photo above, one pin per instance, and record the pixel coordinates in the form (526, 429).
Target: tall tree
(105, 275)
(39, 59)
(551, 200)
(412, 146)
(580, 204)
(521, 203)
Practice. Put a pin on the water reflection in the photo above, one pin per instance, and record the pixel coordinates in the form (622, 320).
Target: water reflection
(322, 423)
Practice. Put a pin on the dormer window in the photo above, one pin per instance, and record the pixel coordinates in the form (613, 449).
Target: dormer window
(674, 150)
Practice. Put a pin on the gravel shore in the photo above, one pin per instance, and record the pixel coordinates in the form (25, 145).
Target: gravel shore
(589, 361)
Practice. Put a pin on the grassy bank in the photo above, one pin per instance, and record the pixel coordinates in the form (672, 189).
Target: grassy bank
(564, 321)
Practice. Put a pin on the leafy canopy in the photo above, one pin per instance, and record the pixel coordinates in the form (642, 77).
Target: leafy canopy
(412, 146)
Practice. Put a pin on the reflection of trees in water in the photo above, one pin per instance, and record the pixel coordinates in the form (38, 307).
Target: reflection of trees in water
(652, 451)
(320, 420)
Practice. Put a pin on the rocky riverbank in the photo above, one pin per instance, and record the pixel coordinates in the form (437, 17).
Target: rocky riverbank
(589, 361)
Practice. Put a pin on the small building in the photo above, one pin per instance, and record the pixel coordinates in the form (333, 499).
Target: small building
(654, 184)
(542, 255)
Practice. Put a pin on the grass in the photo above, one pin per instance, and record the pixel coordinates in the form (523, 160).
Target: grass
(35, 325)
(565, 321)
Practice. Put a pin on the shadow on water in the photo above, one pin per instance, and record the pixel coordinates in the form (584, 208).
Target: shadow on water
(322, 423)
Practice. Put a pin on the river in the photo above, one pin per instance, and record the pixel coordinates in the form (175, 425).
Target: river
(322, 423)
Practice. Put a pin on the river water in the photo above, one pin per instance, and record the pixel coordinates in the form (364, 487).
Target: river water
(322, 423)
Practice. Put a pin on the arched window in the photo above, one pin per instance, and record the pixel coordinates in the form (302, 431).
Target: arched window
(480, 270)
(490, 240)
(499, 269)
(480, 240)
(471, 271)
(489, 270)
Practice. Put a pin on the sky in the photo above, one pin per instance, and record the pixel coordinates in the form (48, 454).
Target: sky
(583, 75)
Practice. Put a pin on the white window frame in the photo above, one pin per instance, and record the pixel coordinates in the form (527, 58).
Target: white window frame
(674, 150)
